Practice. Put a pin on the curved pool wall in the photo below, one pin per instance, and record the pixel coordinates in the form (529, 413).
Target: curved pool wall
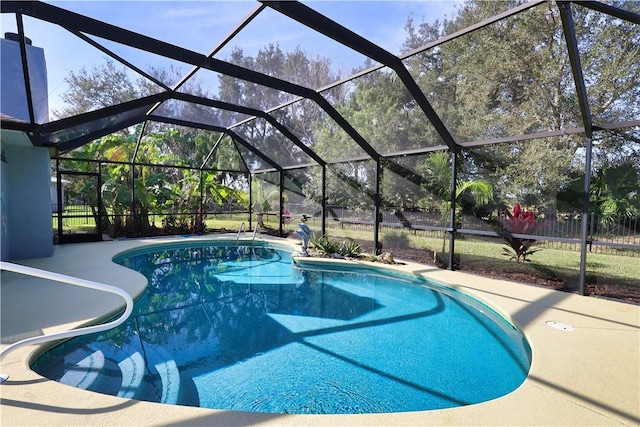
(322, 334)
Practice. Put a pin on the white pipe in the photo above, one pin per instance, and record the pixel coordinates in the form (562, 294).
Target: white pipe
(30, 271)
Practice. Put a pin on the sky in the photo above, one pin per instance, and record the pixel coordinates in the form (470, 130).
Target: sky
(201, 25)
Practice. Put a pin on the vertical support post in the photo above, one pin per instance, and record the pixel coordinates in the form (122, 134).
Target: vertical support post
(59, 199)
(323, 201)
(585, 217)
(201, 213)
(592, 225)
(101, 209)
(249, 178)
(452, 210)
(132, 175)
(250, 200)
(376, 207)
(568, 28)
(281, 201)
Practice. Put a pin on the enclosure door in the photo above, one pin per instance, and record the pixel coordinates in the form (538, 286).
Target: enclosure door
(77, 207)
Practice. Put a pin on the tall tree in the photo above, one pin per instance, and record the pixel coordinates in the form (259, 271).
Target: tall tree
(102, 86)
(513, 78)
(302, 117)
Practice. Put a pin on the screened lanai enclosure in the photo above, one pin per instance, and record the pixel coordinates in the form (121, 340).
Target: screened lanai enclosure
(498, 137)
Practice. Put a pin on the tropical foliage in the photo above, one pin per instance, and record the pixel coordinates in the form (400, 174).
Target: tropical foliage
(436, 171)
(324, 245)
(132, 194)
(328, 247)
(520, 222)
(615, 193)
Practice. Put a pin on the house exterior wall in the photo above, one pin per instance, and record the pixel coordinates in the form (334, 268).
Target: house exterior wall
(4, 213)
(26, 229)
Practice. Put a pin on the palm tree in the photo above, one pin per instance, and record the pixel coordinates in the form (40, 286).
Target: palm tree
(266, 198)
(614, 192)
(436, 171)
(87, 185)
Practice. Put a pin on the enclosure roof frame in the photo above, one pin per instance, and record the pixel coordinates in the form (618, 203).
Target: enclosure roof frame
(117, 117)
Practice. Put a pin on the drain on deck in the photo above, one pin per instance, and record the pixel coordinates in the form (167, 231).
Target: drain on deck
(560, 326)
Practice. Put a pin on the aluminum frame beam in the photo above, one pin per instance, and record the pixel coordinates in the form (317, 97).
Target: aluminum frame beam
(118, 58)
(237, 138)
(441, 40)
(25, 67)
(625, 15)
(320, 23)
(102, 113)
(80, 141)
(76, 22)
(212, 151)
(576, 66)
(255, 12)
(252, 112)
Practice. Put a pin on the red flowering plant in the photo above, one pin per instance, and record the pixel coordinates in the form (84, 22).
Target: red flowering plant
(520, 222)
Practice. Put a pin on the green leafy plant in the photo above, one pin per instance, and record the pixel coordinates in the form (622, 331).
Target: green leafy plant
(324, 245)
(328, 247)
(372, 256)
(350, 248)
(520, 222)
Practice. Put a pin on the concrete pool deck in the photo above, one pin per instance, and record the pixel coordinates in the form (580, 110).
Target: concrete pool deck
(588, 376)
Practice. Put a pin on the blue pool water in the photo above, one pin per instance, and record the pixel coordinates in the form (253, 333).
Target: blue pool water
(241, 328)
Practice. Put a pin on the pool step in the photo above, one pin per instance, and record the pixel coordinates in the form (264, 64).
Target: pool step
(132, 369)
(120, 370)
(91, 372)
(160, 362)
(85, 371)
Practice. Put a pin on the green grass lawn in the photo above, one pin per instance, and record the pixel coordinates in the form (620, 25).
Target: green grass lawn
(563, 264)
(486, 255)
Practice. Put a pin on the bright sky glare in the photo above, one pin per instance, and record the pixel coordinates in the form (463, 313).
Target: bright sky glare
(201, 25)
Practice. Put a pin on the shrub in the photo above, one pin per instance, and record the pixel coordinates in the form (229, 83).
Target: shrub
(350, 248)
(520, 222)
(325, 246)
(395, 239)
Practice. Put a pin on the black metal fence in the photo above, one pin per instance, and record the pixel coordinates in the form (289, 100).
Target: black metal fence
(605, 236)
(81, 216)
(620, 235)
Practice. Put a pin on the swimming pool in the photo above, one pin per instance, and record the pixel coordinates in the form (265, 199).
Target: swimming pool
(241, 328)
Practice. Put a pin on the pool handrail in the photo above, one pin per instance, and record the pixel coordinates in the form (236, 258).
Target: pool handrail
(255, 232)
(43, 274)
(241, 230)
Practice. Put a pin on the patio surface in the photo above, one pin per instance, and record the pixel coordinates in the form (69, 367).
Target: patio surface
(588, 376)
